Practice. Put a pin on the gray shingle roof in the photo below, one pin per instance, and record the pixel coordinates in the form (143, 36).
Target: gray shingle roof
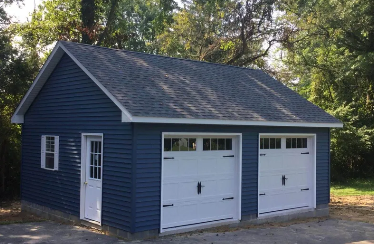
(157, 86)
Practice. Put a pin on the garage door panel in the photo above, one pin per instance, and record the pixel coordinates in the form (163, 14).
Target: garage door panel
(297, 169)
(182, 172)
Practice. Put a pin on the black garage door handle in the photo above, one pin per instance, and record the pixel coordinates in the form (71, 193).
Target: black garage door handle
(227, 198)
(168, 205)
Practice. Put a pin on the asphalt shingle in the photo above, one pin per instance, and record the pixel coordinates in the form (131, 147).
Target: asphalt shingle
(158, 86)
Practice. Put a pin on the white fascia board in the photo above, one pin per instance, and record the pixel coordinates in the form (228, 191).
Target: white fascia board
(137, 119)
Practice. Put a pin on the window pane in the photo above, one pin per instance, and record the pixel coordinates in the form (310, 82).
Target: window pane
(305, 142)
(288, 143)
(206, 144)
(299, 143)
(99, 173)
(99, 146)
(167, 144)
(278, 143)
(95, 172)
(221, 144)
(229, 144)
(261, 143)
(272, 143)
(214, 144)
(266, 143)
(50, 144)
(49, 160)
(175, 144)
(183, 143)
(99, 160)
(294, 143)
(91, 171)
(192, 144)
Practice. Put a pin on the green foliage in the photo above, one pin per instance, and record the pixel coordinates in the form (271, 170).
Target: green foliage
(17, 68)
(329, 49)
(231, 32)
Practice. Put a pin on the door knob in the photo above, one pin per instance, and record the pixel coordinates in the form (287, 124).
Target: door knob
(85, 182)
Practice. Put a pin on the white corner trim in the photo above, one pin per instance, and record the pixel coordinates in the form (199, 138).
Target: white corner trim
(138, 119)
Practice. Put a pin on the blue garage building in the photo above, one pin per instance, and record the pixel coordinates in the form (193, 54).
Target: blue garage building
(141, 144)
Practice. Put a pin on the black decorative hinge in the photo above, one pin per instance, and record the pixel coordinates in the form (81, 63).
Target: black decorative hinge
(305, 189)
(262, 194)
(168, 157)
(305, 153)
(229, 156)
(263, 154)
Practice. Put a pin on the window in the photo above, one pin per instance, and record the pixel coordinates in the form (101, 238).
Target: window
(95, 160)
(270, 143)
(179, 144)
(213, 144)
(296, 143)
(49, 152)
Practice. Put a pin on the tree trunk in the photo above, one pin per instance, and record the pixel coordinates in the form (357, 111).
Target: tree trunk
(2, 166)
(88, 10)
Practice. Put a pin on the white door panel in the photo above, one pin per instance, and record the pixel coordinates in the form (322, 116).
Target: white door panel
(182, 171)
(93, 183)
(297, 169)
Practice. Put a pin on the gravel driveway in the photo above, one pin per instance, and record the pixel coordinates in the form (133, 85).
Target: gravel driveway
(326, 231)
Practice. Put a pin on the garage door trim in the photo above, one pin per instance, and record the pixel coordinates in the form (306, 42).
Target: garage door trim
(237, 136)
(314, 139)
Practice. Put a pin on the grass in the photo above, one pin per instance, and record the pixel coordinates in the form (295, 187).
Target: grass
(354, 187)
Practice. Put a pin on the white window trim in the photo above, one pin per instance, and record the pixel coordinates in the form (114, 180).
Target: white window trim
(43, 152)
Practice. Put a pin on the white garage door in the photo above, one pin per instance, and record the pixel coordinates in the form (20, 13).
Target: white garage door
(286, 173)
(200, 181)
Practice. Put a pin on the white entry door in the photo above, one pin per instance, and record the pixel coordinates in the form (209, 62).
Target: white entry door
(200, 181)
(286, 174)
(93, 182)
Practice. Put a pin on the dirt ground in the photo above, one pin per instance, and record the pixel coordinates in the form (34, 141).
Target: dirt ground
(10, 212)
(355, 208)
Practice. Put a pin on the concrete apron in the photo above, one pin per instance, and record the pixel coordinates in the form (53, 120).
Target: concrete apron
(47, 213)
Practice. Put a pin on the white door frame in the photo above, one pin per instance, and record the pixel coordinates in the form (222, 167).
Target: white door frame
(310, 135)
(83, 173)
(238, 150)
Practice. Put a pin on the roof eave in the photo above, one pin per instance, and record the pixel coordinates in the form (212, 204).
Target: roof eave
(161, 120)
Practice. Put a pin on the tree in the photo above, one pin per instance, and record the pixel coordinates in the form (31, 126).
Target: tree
(231, 32)
(17, 69)
(330, 53)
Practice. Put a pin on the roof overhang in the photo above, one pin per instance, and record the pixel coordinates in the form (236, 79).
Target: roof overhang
(54, 58)
(161, 120)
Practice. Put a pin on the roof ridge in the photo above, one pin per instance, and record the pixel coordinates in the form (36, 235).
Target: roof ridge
(161, 56)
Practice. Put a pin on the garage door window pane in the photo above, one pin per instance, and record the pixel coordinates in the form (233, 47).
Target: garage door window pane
(272, 143)
(221, 144)
(183, 144)
(192, 144)
(167, 144)
(266, 143)
(206, 144)
(261, 143)
(297, 143)
(214, 144)
(278, 143)
(175, 144)
(229, 144)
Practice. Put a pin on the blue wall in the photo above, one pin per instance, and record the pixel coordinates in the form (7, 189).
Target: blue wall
(147, 166)
(69, 104)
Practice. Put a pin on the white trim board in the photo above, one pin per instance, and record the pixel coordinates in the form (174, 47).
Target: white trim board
(137, 119)
(237, 136)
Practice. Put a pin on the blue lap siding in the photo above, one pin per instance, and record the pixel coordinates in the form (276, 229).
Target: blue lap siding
(147, 162)
(69, 104)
